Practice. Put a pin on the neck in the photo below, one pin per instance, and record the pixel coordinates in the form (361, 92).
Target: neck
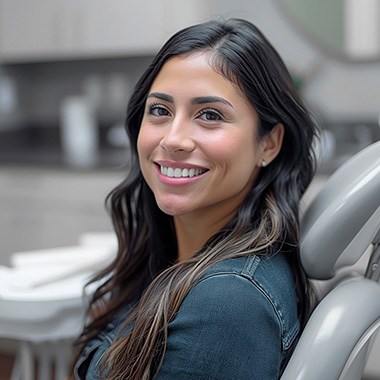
(193, 232)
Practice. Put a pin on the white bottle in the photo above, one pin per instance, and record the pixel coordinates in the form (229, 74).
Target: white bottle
(79, 132)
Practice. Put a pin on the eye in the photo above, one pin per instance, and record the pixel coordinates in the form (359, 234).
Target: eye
(209, 114)
(158, 110)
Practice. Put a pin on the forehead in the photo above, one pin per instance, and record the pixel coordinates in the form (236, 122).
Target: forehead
(194, 74)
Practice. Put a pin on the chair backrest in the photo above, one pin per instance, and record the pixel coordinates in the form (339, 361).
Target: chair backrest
(337, 228)
(344, 218)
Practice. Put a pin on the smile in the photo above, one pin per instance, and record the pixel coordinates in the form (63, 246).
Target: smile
(180, 173)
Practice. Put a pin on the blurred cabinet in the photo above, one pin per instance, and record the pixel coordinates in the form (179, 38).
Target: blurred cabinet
(55, 29)
(26, 28)
(50, 207)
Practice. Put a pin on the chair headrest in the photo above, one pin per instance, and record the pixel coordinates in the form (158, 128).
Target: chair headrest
(344, 218)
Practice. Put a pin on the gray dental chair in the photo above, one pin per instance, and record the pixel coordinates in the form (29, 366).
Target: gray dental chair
(341, 226)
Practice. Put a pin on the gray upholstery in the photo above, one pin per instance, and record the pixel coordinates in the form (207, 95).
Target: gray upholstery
(338, 227)
(335, 330)
(344, 218)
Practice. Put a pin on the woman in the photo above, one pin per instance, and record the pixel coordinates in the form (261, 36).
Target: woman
(207, 282)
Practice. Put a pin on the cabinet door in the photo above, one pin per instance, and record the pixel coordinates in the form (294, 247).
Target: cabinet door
(55, 29)
(121, 27)
(27, 29)
(133, 26)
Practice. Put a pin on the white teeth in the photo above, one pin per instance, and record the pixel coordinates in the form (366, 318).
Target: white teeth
(178, 172)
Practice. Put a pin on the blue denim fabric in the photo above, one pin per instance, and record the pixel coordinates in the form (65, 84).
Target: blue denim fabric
(238, 322)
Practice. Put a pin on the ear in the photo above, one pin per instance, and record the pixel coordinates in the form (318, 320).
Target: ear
(271, 144)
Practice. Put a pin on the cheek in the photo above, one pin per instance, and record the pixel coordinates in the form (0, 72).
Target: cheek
(236, 150)
(140, 145)
(241, 162)
(143, 153)
(145, 143)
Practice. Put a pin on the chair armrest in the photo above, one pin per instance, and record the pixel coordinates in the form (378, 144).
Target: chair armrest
(337, 326)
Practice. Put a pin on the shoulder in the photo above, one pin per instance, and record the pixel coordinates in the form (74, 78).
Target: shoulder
(237, 322)
(260, 286)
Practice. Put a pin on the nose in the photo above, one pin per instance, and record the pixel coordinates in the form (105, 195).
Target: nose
(178, 137)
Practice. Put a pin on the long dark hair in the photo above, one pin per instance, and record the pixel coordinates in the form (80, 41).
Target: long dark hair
(145, 272)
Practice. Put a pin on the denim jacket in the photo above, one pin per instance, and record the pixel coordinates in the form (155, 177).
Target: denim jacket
(238, 322)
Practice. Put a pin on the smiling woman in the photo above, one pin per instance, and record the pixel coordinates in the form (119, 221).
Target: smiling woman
(197, 122)
(207, 282)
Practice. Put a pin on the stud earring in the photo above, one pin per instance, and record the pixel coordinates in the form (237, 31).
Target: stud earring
(263, 163)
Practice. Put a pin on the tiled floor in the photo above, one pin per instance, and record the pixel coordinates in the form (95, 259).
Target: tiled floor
(6, 366)
(6, 362)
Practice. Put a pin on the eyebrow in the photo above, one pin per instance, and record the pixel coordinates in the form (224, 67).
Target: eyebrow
(194, 101)
(210, 99)
(162, 96)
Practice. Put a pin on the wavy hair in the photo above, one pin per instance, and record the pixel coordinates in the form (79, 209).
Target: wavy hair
(145, 272)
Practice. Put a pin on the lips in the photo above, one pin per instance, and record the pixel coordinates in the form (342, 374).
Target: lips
(173, 172)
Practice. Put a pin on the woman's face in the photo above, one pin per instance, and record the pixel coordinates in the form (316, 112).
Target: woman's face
(197, 144)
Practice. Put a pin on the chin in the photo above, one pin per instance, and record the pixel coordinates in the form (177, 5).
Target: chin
(169, 210)
(174, 205)
(172, 210)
